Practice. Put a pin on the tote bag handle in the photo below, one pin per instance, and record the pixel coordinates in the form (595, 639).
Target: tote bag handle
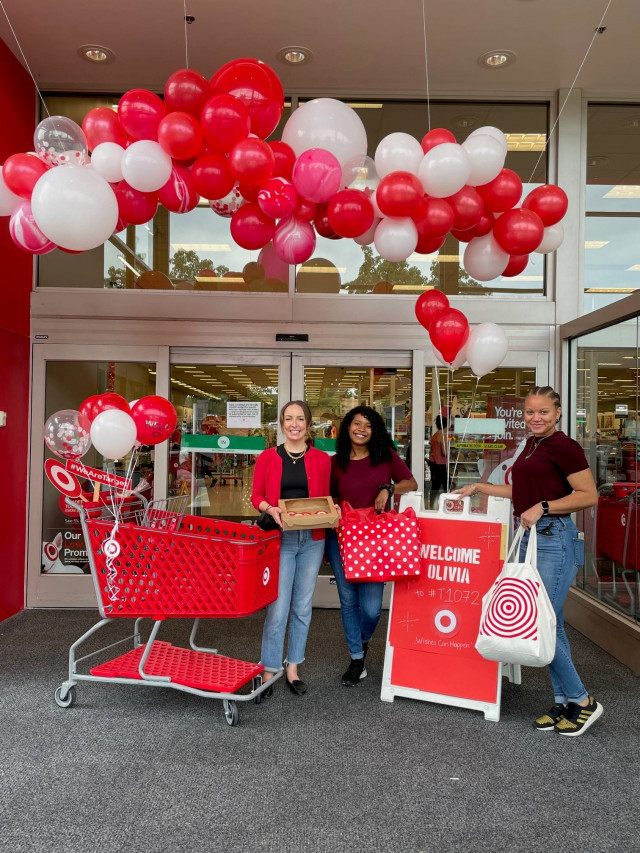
(531, 556)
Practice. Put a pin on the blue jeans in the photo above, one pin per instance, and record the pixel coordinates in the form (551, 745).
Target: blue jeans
(300, 559)
(560, 555)
(360, 603)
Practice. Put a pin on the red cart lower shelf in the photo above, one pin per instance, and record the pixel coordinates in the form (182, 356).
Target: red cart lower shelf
(200, 670)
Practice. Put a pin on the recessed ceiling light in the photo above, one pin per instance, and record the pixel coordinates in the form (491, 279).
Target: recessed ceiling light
(497, 58)
(632, 122)
(294, 55)
(96, 53)
(466, 121)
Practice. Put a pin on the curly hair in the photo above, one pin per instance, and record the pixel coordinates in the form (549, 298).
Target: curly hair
(380, 444)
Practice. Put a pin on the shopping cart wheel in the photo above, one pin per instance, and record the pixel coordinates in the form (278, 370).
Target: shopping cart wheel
(67, 700)
(230, 712)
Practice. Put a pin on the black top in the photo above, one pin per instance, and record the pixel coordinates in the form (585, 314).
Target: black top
(294, 476)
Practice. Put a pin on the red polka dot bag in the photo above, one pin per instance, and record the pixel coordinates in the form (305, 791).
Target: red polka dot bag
(379, 546)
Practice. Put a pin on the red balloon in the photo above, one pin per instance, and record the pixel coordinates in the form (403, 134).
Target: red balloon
(549, 202)
(449, 331)
(285, 159)
(140, 113)
(155, 419)
(251, 228)
(323, 225)
(250, 193)
(399, 194)
(188, 91)
(429, 305)
(350, 213)
(518, 231)
(502, 193)
(212, 176)
(483, 227)
(179, 194)
(225, 121)
(429, 245)
(436, 137)
(102, 125)
(277, 197)
(517, 263)
(180, 135)
(463, 236)
(108, 401)
(86, 407)
(134, 206)
(305, 210)
(434, 217)
(467, 206)
(257, 86)
(252, 161)
(21, 172)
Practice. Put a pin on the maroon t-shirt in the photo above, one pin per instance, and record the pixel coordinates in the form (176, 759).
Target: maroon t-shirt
(359, 483)
(543, 476)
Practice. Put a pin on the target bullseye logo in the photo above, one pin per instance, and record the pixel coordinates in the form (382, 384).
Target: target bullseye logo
(513, 610)
(51, 552)
(445, 621)
(63, 480)
(111, 548)
(266, 575)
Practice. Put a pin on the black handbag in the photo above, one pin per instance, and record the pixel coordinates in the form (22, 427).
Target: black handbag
(266, 522)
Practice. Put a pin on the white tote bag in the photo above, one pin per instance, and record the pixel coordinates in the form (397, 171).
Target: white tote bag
(518, 623)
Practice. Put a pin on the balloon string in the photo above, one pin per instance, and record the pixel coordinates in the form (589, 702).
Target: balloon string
(25, 59)
(595, 35)
(186, 38)
(466, 426)
(426, 61)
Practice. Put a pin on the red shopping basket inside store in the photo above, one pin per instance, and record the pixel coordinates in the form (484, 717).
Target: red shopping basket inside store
(207, 568)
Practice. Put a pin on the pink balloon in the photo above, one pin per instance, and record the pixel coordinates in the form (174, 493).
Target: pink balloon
(26, 234)
(294, 240)
(179, 193)
(278, 198)
(317, 175)
(251, 228)
(272, 263)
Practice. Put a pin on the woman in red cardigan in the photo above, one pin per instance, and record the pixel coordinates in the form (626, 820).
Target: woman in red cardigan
(291, 470)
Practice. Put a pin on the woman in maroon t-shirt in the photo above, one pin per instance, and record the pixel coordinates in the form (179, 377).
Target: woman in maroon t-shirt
(365, 471)
(550, 480)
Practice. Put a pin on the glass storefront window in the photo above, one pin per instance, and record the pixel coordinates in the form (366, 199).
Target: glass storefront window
(606, 422)
(227, 414)
(68, 384)
(612, 228)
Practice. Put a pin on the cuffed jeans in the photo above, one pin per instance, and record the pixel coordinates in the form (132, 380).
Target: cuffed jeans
(300, 559)
(360, 603)
(560, 555)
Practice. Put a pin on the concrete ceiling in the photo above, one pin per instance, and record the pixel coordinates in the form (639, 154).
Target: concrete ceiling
(360, 47)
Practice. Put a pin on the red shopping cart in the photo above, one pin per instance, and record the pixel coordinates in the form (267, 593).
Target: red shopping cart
(163, 565)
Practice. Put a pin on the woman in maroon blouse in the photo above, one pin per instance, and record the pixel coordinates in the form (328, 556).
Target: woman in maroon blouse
(550, 480)
(366, 471)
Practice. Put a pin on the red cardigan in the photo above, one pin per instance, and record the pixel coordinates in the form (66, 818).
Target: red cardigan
(267, 477)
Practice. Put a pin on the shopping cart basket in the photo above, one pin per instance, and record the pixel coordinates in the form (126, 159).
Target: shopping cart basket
(164, 565)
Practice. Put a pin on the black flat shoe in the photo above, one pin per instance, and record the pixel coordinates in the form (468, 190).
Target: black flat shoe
(296, 686)
(268, 692)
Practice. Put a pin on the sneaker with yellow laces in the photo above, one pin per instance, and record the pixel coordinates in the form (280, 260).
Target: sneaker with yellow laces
(578, 718)
(546, 722)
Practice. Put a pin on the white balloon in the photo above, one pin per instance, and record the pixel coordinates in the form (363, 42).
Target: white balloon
(487, 158)
(8, 200)
(491, 131)
(74, 207)
(484, 259)
(457, 362)
(398, 152)
(551, 239)
(396, 238)
(444, 169)
(366, 239)
(113, 433)
(146, 166)
(106, 159)
(486, 348)
(329, 124)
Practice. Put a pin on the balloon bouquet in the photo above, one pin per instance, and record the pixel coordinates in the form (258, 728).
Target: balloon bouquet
(206, 138)
(113, 426)
(484, 347)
